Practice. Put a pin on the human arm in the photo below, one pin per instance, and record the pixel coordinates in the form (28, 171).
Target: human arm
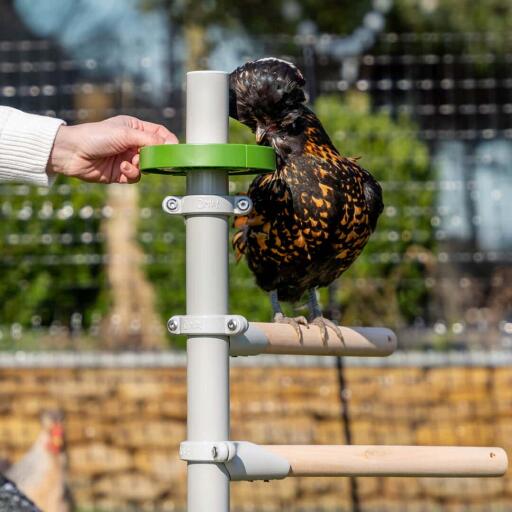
(34, 149)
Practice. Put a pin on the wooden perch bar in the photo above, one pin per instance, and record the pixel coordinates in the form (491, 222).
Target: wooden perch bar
(274, 338)
(359, 460)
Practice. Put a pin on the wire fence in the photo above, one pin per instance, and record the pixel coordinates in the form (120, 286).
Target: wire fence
(458, 102)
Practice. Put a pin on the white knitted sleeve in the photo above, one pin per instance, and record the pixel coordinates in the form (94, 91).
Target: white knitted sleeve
(26, 141)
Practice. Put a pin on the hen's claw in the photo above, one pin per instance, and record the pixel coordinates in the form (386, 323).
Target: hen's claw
(294, 322)
(324, 323)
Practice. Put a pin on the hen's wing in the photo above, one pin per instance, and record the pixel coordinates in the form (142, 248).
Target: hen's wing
(373, 196)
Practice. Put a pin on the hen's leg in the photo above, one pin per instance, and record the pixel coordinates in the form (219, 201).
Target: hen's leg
(281, 319)
(318, 319)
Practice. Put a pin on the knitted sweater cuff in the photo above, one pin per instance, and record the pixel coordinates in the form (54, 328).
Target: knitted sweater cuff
(26, 141)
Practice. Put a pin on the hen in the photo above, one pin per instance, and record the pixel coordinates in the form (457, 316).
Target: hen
(41, 473)
(312, 217)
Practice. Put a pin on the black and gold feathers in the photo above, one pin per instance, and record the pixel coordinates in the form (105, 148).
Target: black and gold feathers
(313, 216)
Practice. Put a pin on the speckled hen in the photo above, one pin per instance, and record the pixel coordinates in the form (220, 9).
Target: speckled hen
(313, 216)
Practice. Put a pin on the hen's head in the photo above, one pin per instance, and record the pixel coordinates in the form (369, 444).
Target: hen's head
(53, 430)
(266, 95)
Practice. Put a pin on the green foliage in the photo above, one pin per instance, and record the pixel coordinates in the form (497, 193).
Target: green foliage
(386, 283)
(486, 24)
(46, 236)
(494, 17)
(267, 16)
(163, 241)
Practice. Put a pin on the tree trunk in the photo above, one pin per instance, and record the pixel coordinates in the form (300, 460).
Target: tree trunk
(133, 322)
(197, 49)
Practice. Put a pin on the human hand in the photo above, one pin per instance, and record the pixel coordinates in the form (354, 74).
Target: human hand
(107, 151)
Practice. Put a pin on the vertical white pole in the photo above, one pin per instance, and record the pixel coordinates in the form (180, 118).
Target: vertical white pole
(207, 293)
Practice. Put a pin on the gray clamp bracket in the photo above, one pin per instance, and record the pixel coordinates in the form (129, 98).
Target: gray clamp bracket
(242, 460)
(197, 325)
(201, 204)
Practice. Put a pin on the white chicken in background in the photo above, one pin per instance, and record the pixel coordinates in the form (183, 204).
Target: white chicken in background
(41, 473)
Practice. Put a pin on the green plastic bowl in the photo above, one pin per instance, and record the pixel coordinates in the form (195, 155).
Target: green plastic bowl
(178, 159)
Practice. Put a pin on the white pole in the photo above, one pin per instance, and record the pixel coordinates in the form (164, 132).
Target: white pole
(207, 293)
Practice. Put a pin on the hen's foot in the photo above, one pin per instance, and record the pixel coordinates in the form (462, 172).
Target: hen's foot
(324, 324)
(279, 318)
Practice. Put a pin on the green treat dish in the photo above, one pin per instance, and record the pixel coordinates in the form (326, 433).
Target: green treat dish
(178, 159)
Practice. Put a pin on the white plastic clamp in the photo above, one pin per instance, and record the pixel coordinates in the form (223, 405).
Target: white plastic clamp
(254, 462)
(225, 325)
(201, 204)
(242, 460)
(207, 451)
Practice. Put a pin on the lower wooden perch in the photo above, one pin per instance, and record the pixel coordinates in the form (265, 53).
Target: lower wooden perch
(275, 338)
(360, 460)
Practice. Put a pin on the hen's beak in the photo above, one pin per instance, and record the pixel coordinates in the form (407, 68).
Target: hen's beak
(261, 133)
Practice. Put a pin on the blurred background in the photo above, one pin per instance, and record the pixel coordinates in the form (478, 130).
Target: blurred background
(421, 90)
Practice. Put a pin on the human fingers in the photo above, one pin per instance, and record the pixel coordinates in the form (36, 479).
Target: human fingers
(158, 129)
(130, 173)
(146, 126)
(134, 138)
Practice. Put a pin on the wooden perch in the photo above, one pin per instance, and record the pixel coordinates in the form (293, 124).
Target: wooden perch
(359, 460)
(274, 338)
